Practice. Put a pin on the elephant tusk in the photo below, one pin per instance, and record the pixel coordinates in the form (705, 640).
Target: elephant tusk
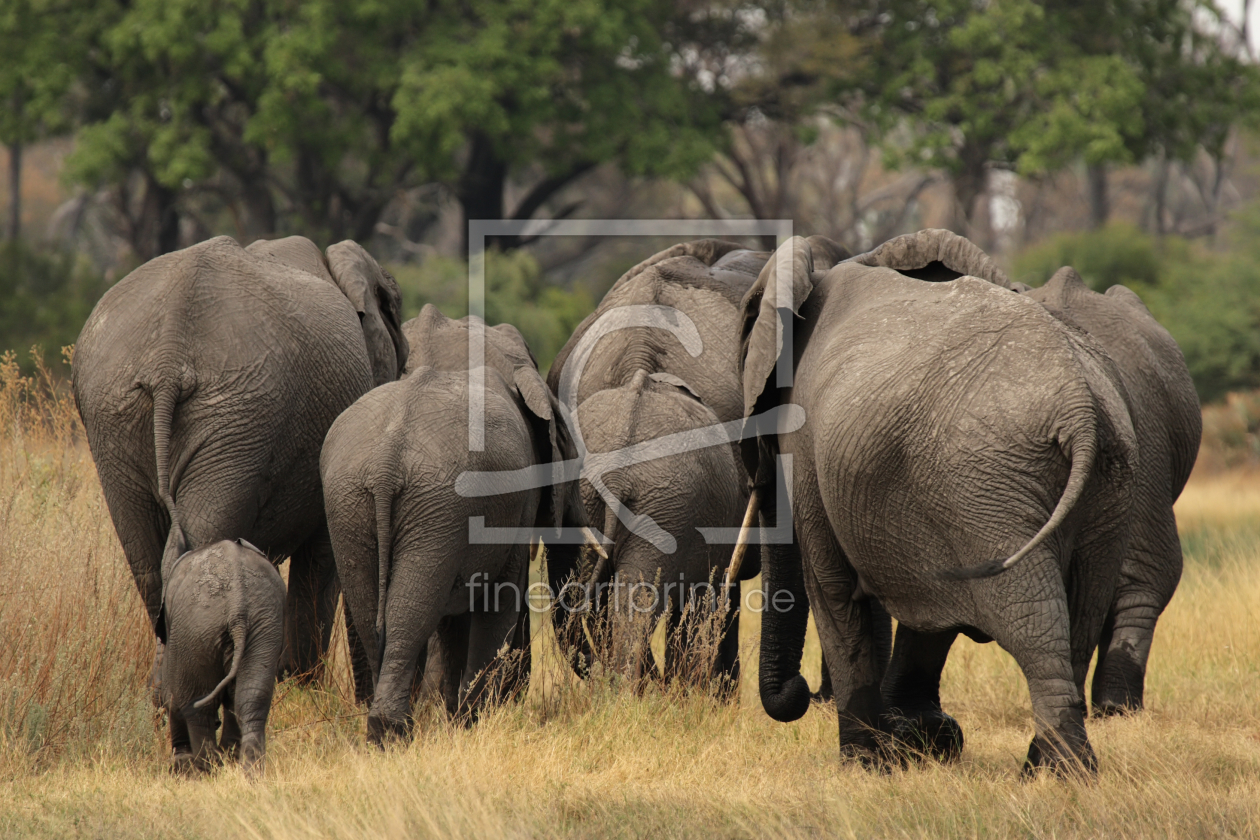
(594, 543)
(741, 543)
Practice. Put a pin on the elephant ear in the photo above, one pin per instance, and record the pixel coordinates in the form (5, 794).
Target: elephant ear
(553, 444)
(768, 309)
(670, 379)
(374, 294)
(827, 252)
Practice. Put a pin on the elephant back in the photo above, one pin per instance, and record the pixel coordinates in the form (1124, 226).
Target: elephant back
(214, 314)
(935, 255)
(676, 312)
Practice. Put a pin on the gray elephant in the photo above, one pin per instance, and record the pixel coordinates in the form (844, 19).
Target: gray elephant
(207, 379)
(677, 313)
(223, 634)
(428, 525)
(1169, 422)
(965, 460)
(1166, 416)
(663, 563)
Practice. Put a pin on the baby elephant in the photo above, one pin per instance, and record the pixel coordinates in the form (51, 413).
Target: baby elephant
(222, 623)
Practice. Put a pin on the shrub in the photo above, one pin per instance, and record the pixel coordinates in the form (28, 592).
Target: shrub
(45, 297)
(515, 294)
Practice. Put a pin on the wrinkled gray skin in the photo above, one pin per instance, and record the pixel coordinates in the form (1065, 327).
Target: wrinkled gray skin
(681, 492)
(1169, 422)
(224, 610)
(207, 379)
(948, 426)
(705, 281)
(400, 529)
(1166, 416)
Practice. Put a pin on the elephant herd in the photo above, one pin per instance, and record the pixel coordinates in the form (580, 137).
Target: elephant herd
(902, 434)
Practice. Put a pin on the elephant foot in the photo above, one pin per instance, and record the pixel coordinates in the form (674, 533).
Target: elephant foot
(1112, 708)
(927, 734)
(1061, 758)
(382, 730)
(183, 764)
(1118, 684)
(880, 757)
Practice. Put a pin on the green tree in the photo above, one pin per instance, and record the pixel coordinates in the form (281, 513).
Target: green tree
(516, 293)
(328, 108)
(37, 40)
(965, 86)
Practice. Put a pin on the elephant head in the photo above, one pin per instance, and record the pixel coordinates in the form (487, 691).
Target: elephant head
(371, 290)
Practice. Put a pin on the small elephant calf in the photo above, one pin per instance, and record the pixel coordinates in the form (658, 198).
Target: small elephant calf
(222, 623)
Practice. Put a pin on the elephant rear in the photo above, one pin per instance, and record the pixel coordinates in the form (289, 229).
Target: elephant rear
(410, 548)
(224, 632)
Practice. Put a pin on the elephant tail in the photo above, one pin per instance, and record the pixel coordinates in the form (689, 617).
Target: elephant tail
(1084, 449)
(165, 396)
(384, 543)
(237, 625)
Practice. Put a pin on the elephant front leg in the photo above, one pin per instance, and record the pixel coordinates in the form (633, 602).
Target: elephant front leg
(847, 635)
(312, 605)
(912, 695)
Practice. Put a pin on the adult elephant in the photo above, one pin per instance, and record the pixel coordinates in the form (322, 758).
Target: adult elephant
(430, 527)
(1167, 419)
(653, 448)
(207, 379)
(1169, 422)
(675, 313)
(965, 459)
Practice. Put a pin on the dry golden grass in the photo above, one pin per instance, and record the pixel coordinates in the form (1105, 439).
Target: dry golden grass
(83, 754)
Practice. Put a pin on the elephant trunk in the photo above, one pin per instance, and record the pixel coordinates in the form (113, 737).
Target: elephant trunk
(784, 692)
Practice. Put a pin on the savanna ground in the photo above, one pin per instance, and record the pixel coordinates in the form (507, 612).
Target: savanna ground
(82, 752)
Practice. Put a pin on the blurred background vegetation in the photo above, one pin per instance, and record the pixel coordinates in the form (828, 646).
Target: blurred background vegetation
(1119, 137)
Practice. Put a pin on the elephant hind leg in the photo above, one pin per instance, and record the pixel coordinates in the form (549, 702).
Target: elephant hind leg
(359, 664)
(1148, 578)
(490, 676)
(846, 632)
(912, 694)
(1038, 634)
(390, 714)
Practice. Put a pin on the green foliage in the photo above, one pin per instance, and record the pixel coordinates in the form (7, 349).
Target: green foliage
(37, 71)
(516, 293)
(47, 296)
(328, 108)
(960, 84)
(1209, 301)
(1116, 254)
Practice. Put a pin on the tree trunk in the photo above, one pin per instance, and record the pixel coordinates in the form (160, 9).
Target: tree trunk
(260, 208)
(1099, 201)
(156, 230)
(970, 183)
(15, 171)
(1160, 196)
(480, 188)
